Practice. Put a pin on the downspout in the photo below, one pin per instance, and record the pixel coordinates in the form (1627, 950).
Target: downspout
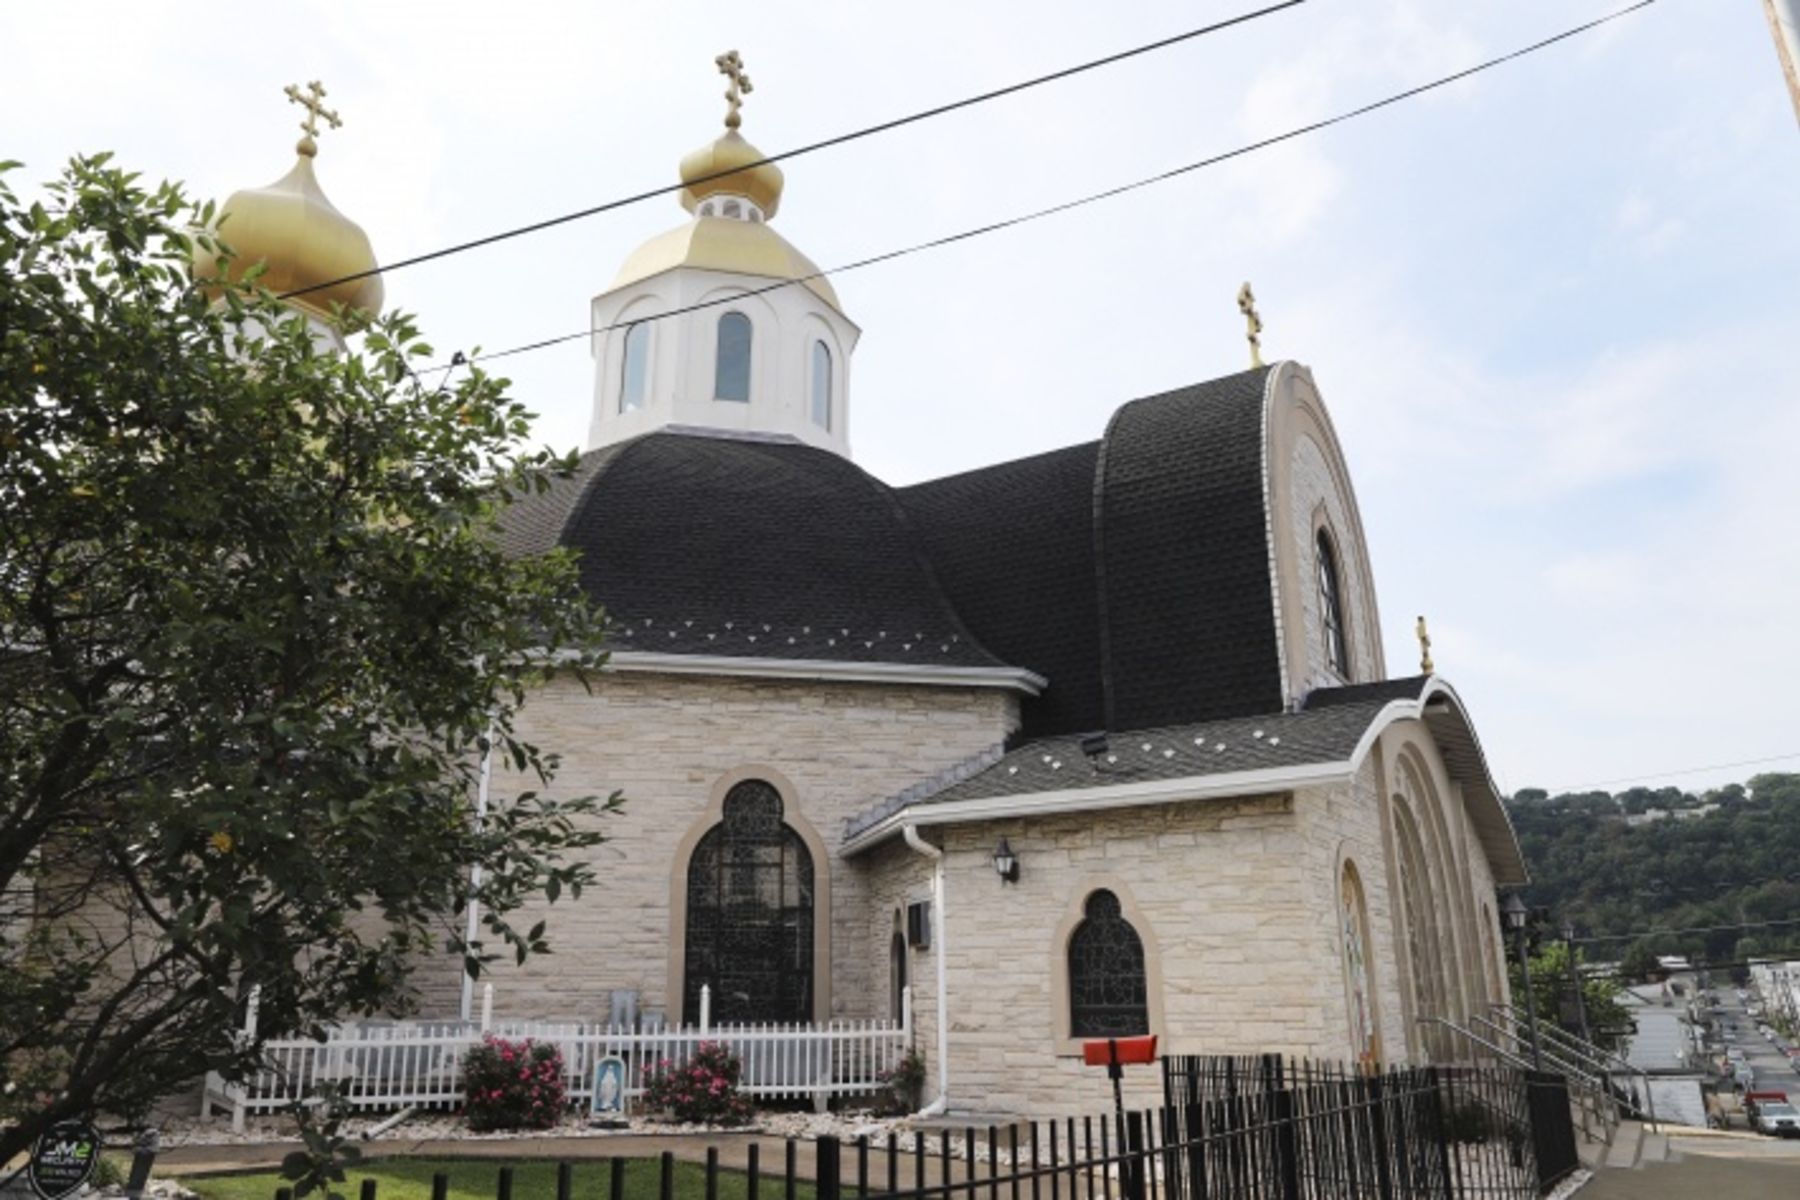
(911, 834)
(474, 921)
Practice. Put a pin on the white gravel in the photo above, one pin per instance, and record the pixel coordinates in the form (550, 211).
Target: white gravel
(439, 1126)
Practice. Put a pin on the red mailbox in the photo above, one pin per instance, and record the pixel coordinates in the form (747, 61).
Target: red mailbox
(1127, 1051)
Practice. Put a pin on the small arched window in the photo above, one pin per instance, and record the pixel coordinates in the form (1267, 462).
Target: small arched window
(1331, 607)
(733, 209)
(1108, 995)
(635, 370)
(821, 385)
(731, 378)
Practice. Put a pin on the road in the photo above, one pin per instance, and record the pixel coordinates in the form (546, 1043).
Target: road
(1773, 1073)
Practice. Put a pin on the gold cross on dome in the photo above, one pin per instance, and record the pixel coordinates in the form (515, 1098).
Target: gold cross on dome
(732, 67)
(1247, 306)
(1425, 664)
(312, 101)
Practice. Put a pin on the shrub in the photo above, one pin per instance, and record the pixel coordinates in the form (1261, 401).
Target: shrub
(513, 1085)
(904, 1083)
(704, 1089)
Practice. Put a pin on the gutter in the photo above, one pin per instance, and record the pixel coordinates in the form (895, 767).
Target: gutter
(911, 834)
(1014, 679)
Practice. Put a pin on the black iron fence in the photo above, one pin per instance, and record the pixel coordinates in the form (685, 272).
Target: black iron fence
(1260, 1128)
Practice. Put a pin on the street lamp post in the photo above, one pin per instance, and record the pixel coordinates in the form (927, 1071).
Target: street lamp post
(1517, 916)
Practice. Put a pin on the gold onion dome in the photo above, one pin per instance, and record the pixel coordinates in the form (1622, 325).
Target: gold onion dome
(744, 244)
(293, 227)
(729, 158)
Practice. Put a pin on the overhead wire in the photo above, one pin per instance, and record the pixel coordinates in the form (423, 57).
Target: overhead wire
(1569, 789)
(810, 147)
(1091, 197)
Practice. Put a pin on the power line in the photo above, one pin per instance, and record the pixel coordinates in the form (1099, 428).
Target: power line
(1676, 932)
(810, 147)
(1092, 197)
(1746, 762)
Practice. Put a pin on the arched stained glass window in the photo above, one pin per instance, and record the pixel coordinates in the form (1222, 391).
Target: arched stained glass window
(750, 914)
(1108, 995)
(821, 385)
(1331, 608)
(635, 372)
(731, 379)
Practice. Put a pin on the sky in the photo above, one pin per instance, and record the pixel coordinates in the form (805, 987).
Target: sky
(1553, 309)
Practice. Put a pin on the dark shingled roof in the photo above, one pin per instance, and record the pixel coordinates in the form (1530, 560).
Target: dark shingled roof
(1187, 607)
(1132, 573)
(1325, 733)
(747, 548)
(1013, 545)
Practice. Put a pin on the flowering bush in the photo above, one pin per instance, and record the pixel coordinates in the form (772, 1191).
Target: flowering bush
(513, 1085)
(702, 1089)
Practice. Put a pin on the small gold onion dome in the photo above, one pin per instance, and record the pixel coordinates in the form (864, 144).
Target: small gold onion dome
(761, 184)
(305, 240)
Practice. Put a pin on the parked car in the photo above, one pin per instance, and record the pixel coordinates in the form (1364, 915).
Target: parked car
(1771, 1114)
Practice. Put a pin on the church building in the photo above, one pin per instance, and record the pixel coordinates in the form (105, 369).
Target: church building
(1099, 741)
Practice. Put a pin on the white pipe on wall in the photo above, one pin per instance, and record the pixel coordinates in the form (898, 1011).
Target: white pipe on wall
(911, 834)
(473, 926)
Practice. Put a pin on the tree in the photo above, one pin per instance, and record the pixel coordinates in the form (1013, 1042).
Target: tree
(255, 638)
(1552, 995)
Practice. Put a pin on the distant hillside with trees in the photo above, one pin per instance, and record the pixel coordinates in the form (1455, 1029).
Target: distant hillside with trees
(1655, 859)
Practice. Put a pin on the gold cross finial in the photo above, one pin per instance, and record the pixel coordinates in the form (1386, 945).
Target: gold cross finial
(1424, 647)
(311, 101)
(732, 67)
(1247, 306)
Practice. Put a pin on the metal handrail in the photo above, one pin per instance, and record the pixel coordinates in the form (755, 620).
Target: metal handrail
(1594, 1053)
(1593, 1088)
(1507, 1056)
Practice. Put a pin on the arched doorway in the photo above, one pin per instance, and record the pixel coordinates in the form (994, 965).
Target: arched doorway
(749, 923)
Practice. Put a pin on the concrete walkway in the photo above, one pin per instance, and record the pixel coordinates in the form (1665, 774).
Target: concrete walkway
(1698, 1177)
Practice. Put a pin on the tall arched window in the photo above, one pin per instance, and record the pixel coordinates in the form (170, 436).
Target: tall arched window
(635, 371)
(1353, 915)
(1331, 608)
(821, 385)
(731, 378)
(1108, 995)
(897, 975)
(750, 914)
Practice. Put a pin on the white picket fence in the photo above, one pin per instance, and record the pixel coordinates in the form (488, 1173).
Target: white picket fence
(419, 1063)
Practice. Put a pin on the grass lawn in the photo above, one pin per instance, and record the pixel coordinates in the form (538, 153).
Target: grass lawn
(533, 1179)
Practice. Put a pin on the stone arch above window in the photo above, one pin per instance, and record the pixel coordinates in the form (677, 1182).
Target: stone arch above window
(749, 920)
(731, 372)
(1108, 978)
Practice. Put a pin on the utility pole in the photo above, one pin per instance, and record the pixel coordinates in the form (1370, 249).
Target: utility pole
(1784, 24)
(1575, 981)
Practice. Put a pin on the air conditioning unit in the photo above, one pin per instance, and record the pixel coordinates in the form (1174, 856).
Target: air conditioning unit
(918, 924)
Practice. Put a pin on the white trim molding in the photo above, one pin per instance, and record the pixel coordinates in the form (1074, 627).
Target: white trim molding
(1016, 679)
(1125, 795)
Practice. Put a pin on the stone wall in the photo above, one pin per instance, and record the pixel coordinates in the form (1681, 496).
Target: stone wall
(1215, 890)
(666, 742)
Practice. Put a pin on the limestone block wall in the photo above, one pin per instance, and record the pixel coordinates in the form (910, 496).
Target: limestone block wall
(667, 742)
(1215, 889)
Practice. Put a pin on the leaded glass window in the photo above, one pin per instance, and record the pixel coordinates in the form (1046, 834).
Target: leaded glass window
(1331, 608)
(1107, 990)
(731, 378)
(750, 914)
